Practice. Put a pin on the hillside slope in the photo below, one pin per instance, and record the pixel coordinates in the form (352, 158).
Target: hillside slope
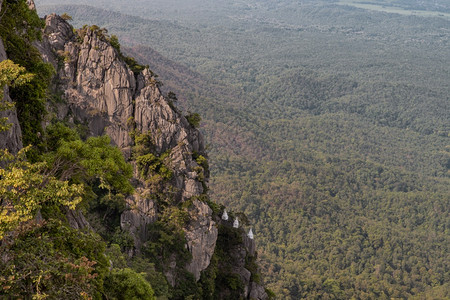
(161, 229)
(329, 126)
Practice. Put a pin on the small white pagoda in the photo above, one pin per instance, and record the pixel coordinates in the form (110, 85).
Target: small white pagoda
(236, 223)
(225, 215)
(250, 234)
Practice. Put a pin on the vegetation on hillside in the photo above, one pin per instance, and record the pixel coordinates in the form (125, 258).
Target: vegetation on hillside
(61, 197)
(329, 128)
(43, 256)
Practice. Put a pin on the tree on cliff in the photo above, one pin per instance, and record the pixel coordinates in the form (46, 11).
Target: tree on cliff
(11, 74)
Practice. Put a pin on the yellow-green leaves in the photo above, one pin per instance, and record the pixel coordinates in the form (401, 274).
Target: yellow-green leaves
(11, 74)
(90, 160)
(25, 187)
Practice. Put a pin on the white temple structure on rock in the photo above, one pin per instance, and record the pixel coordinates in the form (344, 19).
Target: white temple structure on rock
(250, 234)
(225, 215)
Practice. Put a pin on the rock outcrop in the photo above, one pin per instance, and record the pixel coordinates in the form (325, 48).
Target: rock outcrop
(105, 94)
(110, 96)
(201, 236)
(12, 138)
(241, 262)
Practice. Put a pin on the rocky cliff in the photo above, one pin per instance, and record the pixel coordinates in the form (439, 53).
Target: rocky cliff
(103, 92)
(11, 139)
(113, 95)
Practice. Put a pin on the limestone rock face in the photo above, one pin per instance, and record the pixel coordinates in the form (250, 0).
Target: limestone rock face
(76, 219)
(258, 292)
(58, 32)
(201, 236)
(252, 290)
(105, 94)
(170, 131)
(12, 138)
(144, 212)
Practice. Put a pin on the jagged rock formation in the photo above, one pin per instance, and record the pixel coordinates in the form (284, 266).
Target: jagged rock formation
(200, 244)
(101, 91)
(104, 93)
(11, 139)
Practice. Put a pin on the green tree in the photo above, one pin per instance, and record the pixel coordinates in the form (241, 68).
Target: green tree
(19, 28)
(13, 75)
(66, 17)
(50, 260)
(25, 187)
(194, 119)
(126, 284)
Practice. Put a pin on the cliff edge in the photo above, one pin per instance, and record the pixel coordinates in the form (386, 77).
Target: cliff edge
(111, 94)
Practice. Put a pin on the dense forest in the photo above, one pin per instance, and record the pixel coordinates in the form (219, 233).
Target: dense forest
(83, 216)
(328, 127)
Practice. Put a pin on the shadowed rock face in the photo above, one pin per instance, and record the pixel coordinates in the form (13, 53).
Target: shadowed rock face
(104, 93)
(239, 254)
(201, 234)
(12, 138)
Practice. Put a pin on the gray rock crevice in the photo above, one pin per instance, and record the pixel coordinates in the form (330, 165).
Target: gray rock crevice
(12, 138)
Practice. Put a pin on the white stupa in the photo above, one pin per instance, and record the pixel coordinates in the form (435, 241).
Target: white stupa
(250, 234)
(236, 223)
(225, 215)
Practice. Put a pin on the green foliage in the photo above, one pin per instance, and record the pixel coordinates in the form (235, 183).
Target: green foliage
(57, 134)
(151, 166)
(194, 119)
(166, 238)
(124, 284)
(51, 260)
(216, 208)
(228, 238)
(26, 187)
(122, 238)
(87, 161)
(11, 74)
(156, 279)
(144, 143)
(203, 162)
(114, 41)
(202, 171)
(98, 166)
(19, 27)
(134, 65)
(208, 278)
(186, 287)
(270, 293)
(219, 281)
(66, 17)
(252, 266)
(234, 282)
(30, 102)
(116, 258)
(172, 96)
(166, 243)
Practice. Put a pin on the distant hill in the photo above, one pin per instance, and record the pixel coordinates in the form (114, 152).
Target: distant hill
(329, 127)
